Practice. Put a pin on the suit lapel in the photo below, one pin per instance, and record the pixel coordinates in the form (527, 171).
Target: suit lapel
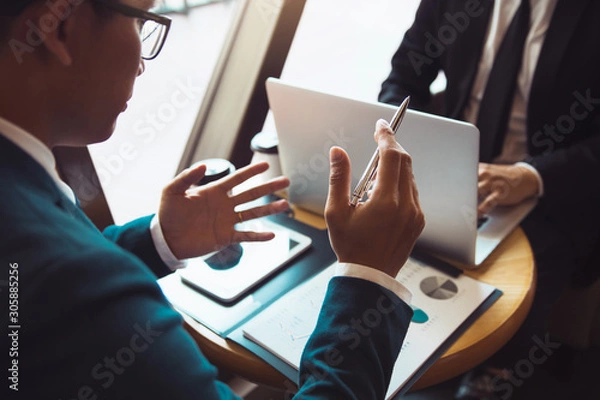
(75, 211)
(15, 161)
(560, 31)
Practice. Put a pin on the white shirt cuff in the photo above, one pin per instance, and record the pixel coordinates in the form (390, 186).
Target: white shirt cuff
(375, 276)
(537, 175)
(162, 248)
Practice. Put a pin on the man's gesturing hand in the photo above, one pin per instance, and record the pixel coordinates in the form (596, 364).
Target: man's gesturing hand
(198, 220)
(380, 232)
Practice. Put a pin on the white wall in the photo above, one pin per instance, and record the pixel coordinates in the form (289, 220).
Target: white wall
(341, 46)
(345, 47)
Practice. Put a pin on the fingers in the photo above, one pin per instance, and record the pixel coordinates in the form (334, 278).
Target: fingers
(243, 175)
(382, 128)
(396, 178)
(484, 169)
(406, 183)
(185, 179)
(491, 178)
(262, 190)
(485, 179)
(262, 211)
(392, 160)
(415, 193)
(257, 212)
(339, 178)
(483, 188)
(488, 204)
(243, 236)
(485, 191)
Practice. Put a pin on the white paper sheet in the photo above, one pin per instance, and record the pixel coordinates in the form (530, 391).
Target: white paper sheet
(442, 303)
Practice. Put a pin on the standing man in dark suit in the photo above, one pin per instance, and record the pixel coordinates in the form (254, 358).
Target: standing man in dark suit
(548, 145)
(87, 318)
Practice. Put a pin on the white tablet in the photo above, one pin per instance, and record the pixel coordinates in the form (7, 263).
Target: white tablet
(231, 272)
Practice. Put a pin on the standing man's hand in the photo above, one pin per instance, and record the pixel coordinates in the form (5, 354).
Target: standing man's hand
(198, 220)
(504, 185)
(380, 232)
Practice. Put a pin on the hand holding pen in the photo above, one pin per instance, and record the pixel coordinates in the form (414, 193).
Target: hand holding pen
(367, 177)
(381, 232)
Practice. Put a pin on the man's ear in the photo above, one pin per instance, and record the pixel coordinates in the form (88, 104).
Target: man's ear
(48, 25)
(58, 23)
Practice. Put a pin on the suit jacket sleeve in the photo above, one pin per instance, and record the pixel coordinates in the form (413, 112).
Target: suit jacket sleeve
(135, 237)
(99, 327)
(572, 194)
(568, 173)
(356, 342)
(96, 325)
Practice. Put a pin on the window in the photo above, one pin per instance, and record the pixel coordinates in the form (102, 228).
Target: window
(345, 48)
(143, 154)
(182, 112)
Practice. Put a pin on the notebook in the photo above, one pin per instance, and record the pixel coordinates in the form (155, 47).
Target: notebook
(445, 155)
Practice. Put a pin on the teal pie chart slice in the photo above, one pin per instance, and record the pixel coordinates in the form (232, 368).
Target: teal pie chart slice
(419, 316)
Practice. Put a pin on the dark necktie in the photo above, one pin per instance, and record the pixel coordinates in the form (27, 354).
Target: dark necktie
(496, 104)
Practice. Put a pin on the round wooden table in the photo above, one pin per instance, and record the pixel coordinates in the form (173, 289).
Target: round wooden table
(510, 268)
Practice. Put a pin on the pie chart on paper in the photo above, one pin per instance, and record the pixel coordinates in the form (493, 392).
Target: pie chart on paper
(439, 288)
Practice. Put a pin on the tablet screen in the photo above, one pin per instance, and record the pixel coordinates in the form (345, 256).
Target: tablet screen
(231, 272)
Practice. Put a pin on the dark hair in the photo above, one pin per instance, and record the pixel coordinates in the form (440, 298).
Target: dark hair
(12, 8)
(8, 10)
(4, 25)
(102, 10)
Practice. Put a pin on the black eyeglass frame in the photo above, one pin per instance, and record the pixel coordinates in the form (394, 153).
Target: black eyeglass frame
(133, 12)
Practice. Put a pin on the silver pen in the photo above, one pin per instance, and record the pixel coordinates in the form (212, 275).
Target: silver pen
(367, 177)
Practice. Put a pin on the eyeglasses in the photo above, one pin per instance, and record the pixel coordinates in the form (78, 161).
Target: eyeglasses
(153, 28)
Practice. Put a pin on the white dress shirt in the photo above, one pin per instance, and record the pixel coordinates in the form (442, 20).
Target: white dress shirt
(42, 154)
(514, 149)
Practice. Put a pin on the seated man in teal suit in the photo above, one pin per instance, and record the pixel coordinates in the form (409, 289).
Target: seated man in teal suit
(87, 319)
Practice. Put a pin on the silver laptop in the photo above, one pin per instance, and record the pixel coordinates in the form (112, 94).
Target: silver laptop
(445, 160)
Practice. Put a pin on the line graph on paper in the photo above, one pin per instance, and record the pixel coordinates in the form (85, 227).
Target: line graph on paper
(291, 326)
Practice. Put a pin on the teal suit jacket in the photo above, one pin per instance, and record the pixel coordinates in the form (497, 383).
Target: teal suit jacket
(95, 324)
